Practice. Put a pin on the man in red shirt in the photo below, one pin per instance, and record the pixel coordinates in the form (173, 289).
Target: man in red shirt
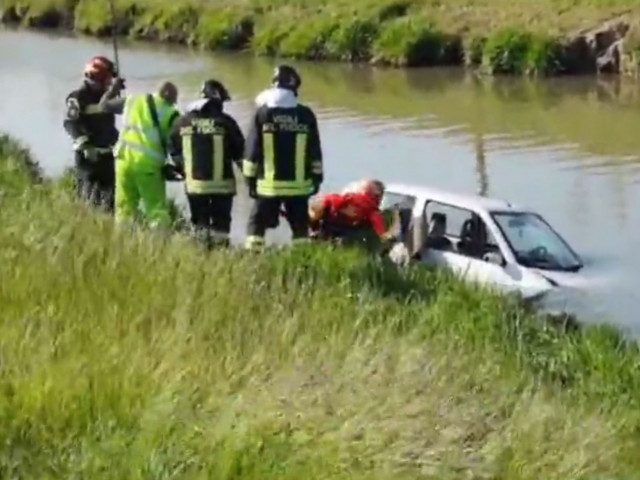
(351, 215)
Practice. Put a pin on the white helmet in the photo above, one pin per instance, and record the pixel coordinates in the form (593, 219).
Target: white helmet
(357, 186)
(369, 186)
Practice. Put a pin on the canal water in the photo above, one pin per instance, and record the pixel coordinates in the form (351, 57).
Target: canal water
(568, 148)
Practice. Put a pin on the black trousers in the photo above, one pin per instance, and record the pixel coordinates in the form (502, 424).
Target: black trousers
(211, 211)
(95, 181)
(361, 236)
(265, 213)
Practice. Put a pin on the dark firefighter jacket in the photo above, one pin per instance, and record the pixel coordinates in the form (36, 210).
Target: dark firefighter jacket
(283, 152)
(204, 143)
(86, 123)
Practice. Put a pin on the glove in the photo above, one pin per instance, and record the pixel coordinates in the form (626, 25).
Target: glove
(117, 86)
(89, 153)
(171, 173)
(178, 161)
(399, 254)
(178, 166)
(251, 185)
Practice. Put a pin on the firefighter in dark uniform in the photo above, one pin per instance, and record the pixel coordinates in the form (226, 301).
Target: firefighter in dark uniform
(94, 134)
(283, 159)
(205, 142)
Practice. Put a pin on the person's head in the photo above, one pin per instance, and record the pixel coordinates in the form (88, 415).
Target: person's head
(374, 188)
(315, 208)
(214, 90)
(438, 225)
(98, 72)
(168, 92)
(285, 76)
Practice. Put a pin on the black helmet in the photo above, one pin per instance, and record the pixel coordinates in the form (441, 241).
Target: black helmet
(214, 90)
(285, 76)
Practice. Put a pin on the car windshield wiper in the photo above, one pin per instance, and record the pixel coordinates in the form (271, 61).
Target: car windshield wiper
(529, 262)
(556, 266)
(574, 268)
(524, 260)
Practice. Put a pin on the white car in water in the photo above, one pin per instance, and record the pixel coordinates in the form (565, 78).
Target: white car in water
(484, 240)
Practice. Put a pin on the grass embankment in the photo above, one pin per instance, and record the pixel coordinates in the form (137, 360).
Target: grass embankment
(499, 36)
(126, 356)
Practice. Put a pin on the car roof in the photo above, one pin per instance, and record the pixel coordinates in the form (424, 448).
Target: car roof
(467, 201)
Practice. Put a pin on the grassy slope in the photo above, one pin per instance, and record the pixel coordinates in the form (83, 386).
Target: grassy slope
(503, 36)
(124, 356)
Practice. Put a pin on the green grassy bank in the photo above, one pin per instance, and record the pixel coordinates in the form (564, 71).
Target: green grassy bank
(498, 36)
(131, 356)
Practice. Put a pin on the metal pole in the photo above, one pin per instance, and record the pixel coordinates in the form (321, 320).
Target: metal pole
(114, 36)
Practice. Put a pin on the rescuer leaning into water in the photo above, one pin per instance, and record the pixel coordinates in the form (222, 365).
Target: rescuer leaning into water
(352, 216)
(142, 150)
(94, 134)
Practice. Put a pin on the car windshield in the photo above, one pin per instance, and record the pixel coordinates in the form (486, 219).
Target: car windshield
(535, 243)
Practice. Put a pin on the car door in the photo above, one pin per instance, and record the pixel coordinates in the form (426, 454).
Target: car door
(475, 270)
(397, 209)
(506, 278)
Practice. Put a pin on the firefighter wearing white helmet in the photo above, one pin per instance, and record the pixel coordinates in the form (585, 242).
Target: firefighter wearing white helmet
(205, 143)
(283, 158)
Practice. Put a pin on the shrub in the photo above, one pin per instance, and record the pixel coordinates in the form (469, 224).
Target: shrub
(226, 28)
(515, 51)
(307, 39)
(352, 40)
(409, 41)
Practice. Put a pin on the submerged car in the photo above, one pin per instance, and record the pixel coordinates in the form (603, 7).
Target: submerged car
(484, 240)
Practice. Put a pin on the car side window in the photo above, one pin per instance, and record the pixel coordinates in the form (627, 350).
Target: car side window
(392, 199)
(401, 203)
(457, 230)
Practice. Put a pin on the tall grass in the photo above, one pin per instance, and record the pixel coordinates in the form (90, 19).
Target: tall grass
(135, 356)
(521, 37)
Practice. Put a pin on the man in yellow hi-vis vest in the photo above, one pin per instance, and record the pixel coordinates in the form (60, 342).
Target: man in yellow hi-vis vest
(141, 152)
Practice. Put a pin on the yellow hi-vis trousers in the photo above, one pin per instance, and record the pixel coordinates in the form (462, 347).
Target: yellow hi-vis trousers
(140, 180)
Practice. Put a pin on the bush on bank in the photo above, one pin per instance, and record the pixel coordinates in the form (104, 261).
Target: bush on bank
(132, 356)
(493, 35)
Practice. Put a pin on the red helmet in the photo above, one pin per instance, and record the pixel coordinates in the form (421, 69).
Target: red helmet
(99, 69)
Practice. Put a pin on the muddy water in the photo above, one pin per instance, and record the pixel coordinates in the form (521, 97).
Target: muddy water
(567, 148)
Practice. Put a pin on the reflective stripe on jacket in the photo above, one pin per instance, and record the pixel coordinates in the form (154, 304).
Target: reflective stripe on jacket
(139, 133)
(197, 179)
(206, 142)
(283, 153)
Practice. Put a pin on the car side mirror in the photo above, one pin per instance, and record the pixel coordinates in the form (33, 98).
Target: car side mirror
(494, 258)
